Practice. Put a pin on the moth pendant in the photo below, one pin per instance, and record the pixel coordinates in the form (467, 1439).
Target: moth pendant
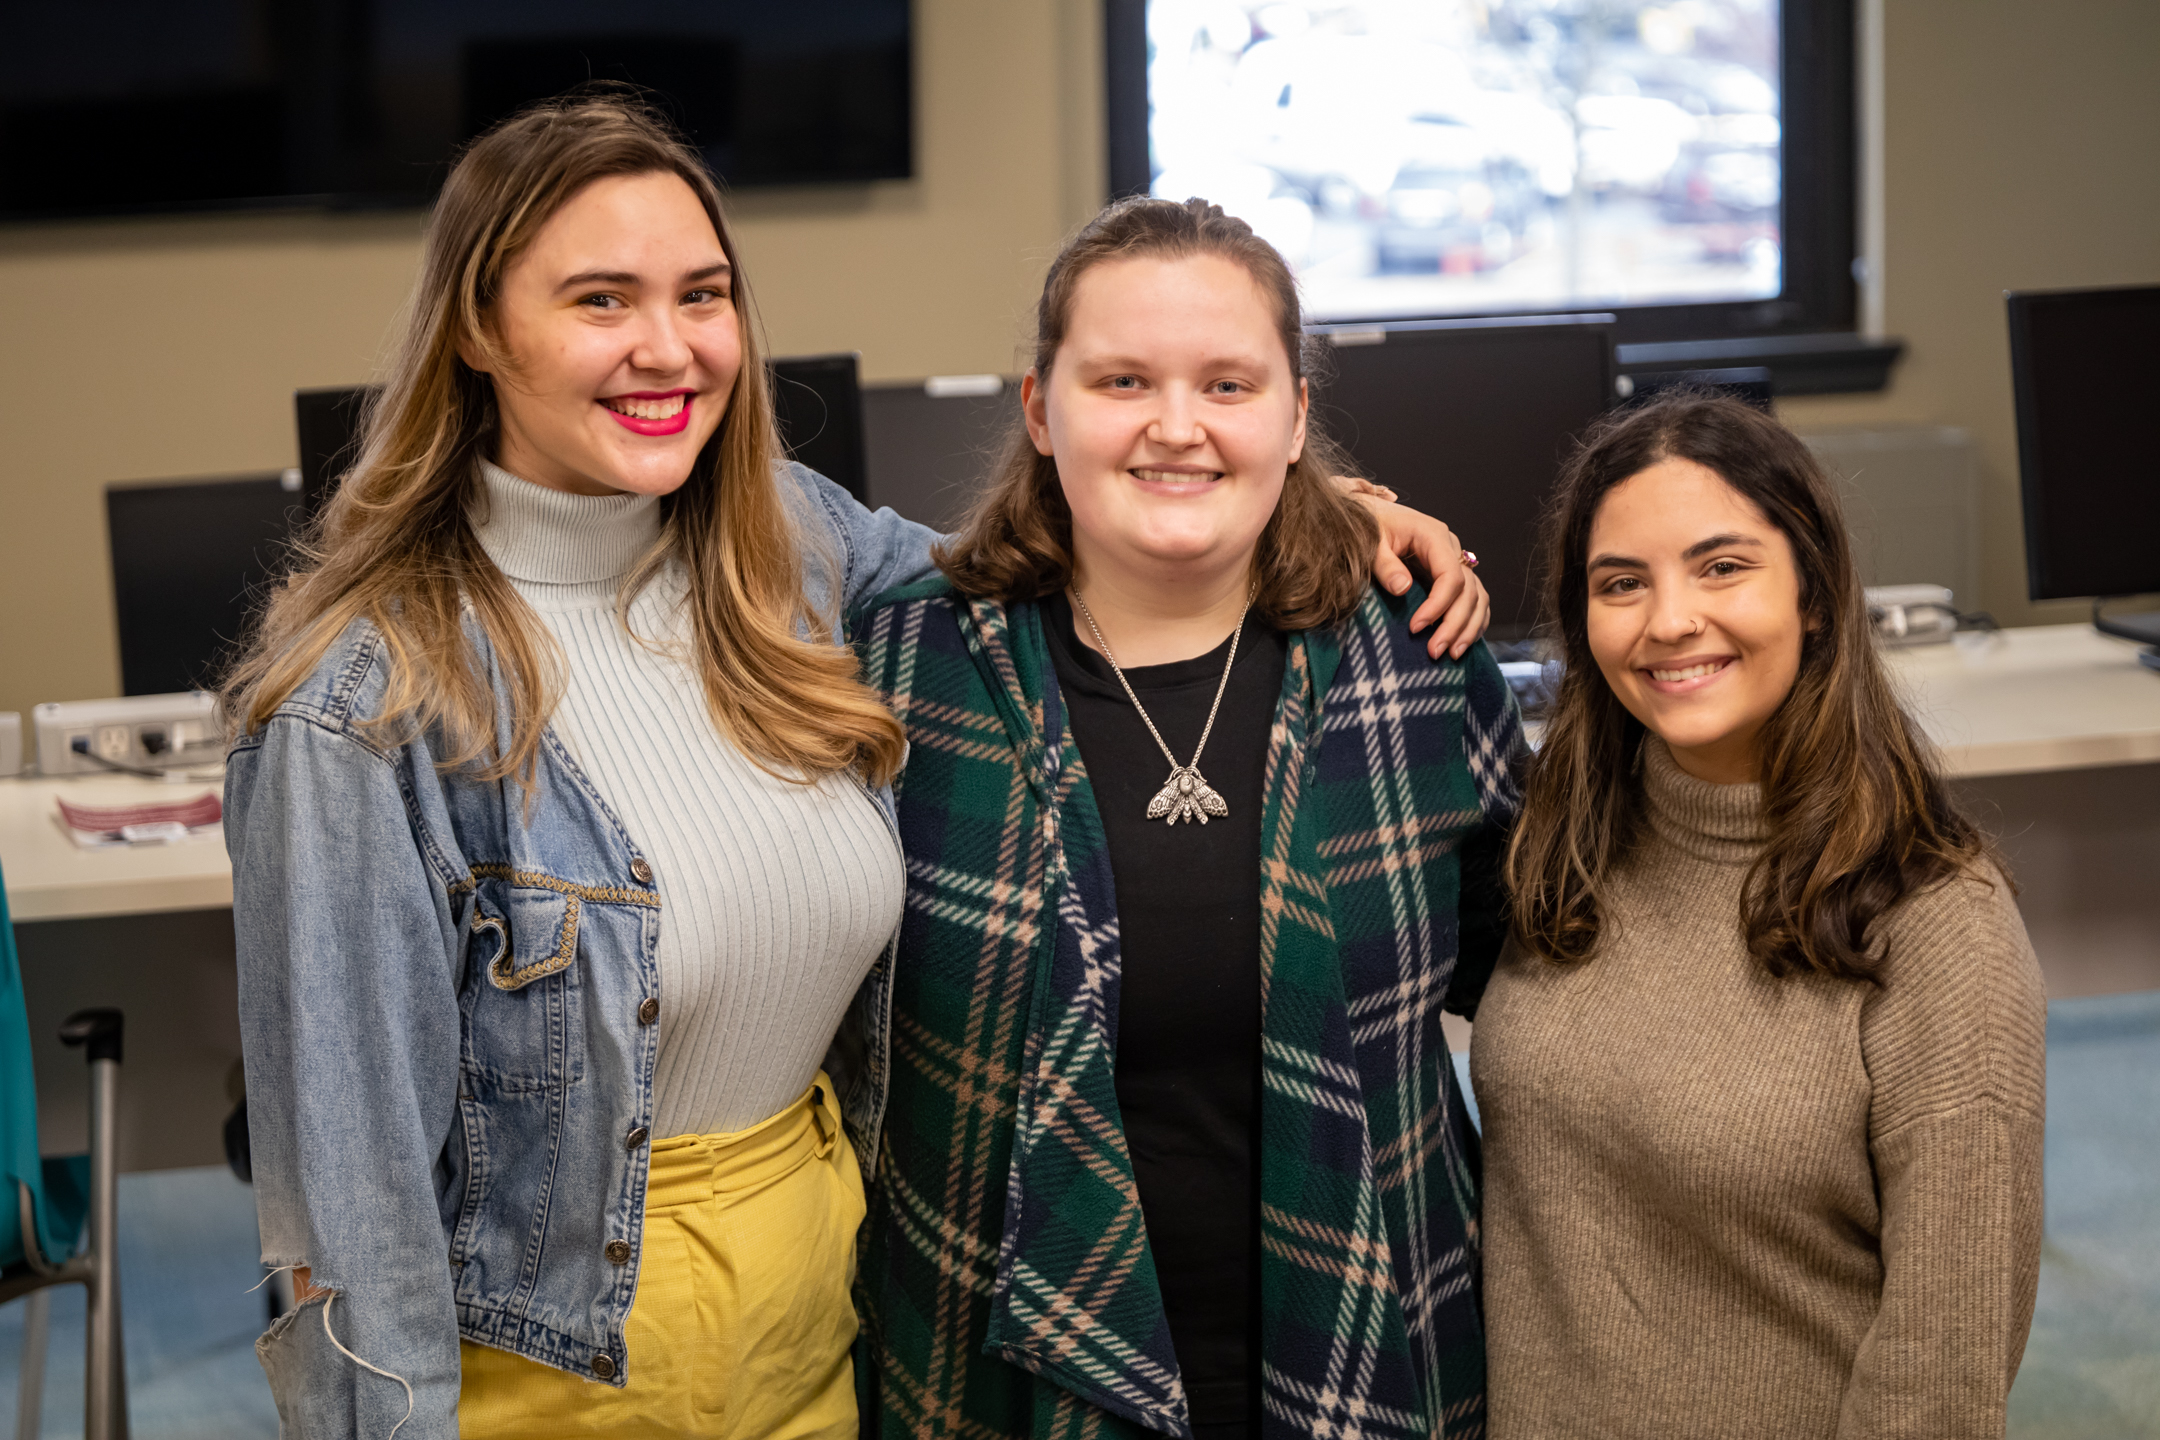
(1185, 796)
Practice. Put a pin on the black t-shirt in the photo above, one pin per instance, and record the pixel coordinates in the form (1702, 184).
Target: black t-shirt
(1188, 1048)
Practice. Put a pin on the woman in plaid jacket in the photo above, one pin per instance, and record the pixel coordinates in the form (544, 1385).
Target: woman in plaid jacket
(1173, 1140)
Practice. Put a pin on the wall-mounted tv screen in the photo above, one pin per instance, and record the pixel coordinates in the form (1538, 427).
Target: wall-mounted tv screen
(133, 106)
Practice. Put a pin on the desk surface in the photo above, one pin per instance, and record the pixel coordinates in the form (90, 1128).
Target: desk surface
(2042, 697)
(2047, 697)
(50, 877)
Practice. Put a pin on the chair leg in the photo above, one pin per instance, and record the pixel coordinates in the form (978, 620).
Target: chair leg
(105, 1374)
(30, 1391)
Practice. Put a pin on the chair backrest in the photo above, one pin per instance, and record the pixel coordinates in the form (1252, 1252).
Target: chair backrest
(19, 1163)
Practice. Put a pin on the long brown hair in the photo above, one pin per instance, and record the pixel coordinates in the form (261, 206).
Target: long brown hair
(393, 546)
(1856, 811)
(1315, 555)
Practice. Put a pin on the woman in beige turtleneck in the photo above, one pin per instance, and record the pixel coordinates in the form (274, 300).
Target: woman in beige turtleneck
(1762, 1076)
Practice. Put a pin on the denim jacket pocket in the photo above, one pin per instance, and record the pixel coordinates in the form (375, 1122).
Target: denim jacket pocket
(522, 993)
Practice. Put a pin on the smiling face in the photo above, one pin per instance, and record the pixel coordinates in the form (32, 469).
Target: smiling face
(1694, 614)
(1173, 416)
(623, 339)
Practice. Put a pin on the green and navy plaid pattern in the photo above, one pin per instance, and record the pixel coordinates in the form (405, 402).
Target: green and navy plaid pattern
(1007, 1285)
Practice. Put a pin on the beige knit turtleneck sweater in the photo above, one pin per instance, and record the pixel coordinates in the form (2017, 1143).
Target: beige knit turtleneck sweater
(1721, 1204)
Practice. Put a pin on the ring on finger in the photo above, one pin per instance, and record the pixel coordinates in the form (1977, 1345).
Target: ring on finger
(1469, 559)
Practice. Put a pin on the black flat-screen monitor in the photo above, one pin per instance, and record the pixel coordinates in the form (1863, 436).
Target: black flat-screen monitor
(190, 562)
(932, 445)
(1750, 384)
(158, 105)
(329, 424)
(2084, 364)
(1470, 421)
(817, 402)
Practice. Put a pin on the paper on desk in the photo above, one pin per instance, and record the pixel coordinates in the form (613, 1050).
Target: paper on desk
(95, 826)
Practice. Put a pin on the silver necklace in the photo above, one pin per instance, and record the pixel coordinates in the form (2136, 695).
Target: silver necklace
(1185, 795)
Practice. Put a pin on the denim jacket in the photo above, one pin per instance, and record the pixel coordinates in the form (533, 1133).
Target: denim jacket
(449, 1067)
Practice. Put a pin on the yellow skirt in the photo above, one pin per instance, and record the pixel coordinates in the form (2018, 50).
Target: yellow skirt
(743, 1320)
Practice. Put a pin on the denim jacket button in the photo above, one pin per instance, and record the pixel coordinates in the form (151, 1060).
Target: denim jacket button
(648, 1012)
(603, 1365)
(618, 1252)
(635, 1138)
(641, 870)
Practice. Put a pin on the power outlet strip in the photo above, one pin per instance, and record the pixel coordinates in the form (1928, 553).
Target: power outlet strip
(140, 732)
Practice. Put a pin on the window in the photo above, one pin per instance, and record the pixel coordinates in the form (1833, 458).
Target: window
(1684, 163)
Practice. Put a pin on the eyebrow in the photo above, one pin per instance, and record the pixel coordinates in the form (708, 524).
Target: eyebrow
(1718, 542)
(624, 277)
(1250, 363)
(1694, 552)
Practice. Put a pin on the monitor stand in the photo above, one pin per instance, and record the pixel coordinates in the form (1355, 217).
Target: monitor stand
(2143, 626)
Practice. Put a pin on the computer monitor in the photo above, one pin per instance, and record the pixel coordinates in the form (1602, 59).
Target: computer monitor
(2084, 364)
(817, 400)
(190, 563)
(1749, 384)
(933, 443)
(1470, 420)
(329, 424)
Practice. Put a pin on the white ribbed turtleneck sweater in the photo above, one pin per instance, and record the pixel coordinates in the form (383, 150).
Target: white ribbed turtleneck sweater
(776, 897)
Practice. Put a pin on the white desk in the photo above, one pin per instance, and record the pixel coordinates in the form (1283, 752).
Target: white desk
(2011, 702)
(2053, 732)
(2039, 698)
(147, 928)
(50, 877)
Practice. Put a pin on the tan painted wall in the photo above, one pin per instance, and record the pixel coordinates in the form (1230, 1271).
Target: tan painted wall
(2019, 142)
(2020, 139)
(161, 349)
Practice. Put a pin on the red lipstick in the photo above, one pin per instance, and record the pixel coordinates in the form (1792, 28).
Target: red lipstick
(673, 424)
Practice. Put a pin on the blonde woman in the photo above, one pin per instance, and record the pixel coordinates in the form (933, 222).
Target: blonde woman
(562, 844)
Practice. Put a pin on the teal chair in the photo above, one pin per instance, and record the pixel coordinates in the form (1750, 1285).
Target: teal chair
(46, 1206)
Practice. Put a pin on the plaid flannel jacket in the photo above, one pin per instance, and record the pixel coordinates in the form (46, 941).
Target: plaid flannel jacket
(1006, 1286)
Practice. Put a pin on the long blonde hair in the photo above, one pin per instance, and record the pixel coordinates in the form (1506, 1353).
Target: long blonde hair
(393, 546)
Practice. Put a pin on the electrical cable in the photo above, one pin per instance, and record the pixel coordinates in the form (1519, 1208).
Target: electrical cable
(81, 746)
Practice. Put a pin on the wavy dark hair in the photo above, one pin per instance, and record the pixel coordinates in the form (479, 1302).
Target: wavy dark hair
(1315, 555)
(1854, 804)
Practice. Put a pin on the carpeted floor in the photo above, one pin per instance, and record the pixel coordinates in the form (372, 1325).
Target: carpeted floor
(2091, 1372)
(187, 1258)
(2092, 1367)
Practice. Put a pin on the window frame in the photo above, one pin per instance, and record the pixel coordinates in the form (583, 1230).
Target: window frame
(1818, 204)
